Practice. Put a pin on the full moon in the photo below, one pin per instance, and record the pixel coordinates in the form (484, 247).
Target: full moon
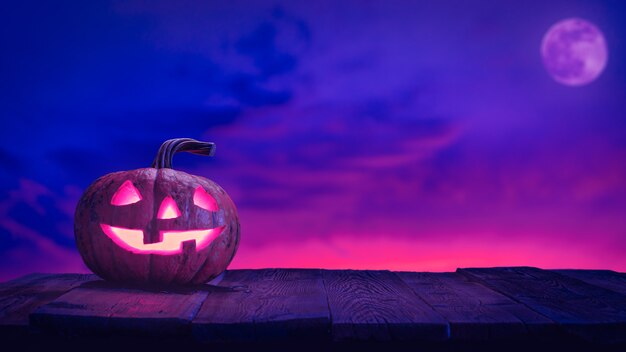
(574, 52)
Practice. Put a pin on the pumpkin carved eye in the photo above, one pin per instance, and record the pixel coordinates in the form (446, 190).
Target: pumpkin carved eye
(204, 200)
(126, 194)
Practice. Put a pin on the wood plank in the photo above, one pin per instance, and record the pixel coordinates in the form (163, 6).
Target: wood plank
(19, 297)
(593, 312)
(108, 309)
(474, 311)
(265, 305)
(378, 305)
(608, 279)
(291, 305)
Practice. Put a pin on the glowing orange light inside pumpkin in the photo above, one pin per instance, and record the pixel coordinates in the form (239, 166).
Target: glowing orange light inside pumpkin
(171, 241)
(204, 200)
(168, 209)
(126, 194)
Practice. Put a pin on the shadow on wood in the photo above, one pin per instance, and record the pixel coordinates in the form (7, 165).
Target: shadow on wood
(516, 308)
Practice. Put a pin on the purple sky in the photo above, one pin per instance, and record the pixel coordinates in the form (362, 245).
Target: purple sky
(361, 134)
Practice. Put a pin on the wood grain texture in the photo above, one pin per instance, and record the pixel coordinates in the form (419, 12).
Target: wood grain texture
(590, 311)
(268, 304)
(608, 279)
(18, 298)
(474, 311)
(378, 305)
(473, 307)
(107, 309)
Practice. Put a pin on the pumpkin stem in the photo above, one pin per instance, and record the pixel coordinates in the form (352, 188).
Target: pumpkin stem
(172, 146)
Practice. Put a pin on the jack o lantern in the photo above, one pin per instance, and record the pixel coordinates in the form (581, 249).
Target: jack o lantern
(157, 225)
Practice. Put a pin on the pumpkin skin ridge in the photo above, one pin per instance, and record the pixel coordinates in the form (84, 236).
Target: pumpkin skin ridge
(181, 266)
(89, 247)
(127, 270)
(225, 234)
(232, 255)
(237, 230)
(120, 271)
(203, 272)
(197, 278)
(88, 255)
(150, 272)
(96, 248)
(162, 269)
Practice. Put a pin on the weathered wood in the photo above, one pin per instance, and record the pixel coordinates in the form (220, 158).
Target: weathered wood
(493, 307)
(377, 305)
(269, 304)
(592, 312)
(18, 298)
(474, 311)
(608, 279)
(101, 308)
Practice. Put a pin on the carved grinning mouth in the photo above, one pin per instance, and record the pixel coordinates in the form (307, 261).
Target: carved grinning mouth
(171, 241)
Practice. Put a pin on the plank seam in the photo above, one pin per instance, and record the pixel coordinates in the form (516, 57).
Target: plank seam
(448, 333)
(473, 278)
(558, 272)
(194, 313)
(330, 312)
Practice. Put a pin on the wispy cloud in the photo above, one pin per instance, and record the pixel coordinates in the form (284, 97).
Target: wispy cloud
(423, 129)
(35, 236)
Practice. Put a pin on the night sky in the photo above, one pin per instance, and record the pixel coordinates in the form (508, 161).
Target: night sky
(422, 135)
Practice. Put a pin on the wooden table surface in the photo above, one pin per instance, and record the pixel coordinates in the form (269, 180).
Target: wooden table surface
(486, 304)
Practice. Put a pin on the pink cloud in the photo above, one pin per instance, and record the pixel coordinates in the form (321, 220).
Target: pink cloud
(37, 253)
(34, 251)
(28, 192)
(351, 251)
(26, 259)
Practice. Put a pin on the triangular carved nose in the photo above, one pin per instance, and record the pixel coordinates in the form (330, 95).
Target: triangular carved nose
(168, 209)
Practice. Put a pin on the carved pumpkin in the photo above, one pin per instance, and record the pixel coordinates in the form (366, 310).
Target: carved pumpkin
(157, 225)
